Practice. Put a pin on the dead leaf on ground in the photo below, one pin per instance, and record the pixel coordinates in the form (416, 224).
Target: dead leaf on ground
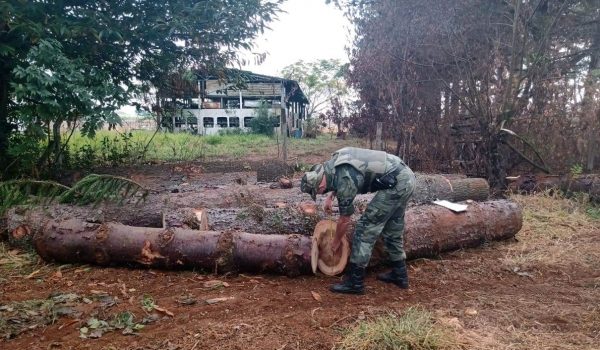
(316, 296)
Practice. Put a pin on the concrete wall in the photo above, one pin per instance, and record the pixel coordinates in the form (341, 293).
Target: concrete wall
(215, 114)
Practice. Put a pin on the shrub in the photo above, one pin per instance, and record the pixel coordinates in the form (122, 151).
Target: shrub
(311, 128)
(263, 123)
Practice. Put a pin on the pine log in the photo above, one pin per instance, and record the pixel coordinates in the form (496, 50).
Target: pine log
(430, 230)
(433, 187)
(226, 203)
(569, 184)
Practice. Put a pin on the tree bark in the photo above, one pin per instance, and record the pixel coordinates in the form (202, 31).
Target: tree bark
(590, 106)
(5, 127)
(433, 187)
(430, 230)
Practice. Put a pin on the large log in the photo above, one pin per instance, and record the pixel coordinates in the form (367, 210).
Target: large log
(430, 230)
(230, 203)
(432, 187)
(588, 183)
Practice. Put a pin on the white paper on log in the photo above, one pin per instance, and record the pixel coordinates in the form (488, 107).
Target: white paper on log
(455, 207)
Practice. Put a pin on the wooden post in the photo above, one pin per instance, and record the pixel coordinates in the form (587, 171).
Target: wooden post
(283, 123)
(378, 137)
(199, 121)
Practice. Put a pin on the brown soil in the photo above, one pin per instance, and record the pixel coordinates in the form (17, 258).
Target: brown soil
(509, 295)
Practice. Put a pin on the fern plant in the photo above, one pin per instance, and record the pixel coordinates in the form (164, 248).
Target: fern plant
(98, 188)
(91, 189)
(28, 192)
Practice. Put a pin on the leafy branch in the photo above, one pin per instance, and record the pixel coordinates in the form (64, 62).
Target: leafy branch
(92, 189)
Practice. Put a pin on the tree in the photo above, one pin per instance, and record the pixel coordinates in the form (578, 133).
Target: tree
(501, 81)
(336, 114)
(319, 80)
(130, 46)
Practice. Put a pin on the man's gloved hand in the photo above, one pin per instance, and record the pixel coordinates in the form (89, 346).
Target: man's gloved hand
(341, 232)
(328, 206)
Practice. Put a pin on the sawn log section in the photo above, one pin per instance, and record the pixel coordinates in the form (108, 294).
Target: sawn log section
(429, 231)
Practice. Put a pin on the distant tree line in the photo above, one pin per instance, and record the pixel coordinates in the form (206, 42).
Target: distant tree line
(479, 84)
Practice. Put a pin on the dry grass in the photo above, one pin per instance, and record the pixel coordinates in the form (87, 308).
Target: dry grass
(16, 262)
(556, 232)
(415, 329)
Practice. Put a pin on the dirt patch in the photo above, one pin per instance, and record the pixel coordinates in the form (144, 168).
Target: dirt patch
(493, 299)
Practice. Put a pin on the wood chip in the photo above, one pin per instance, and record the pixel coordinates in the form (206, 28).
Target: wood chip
(215, 284)
(33, 274)
(217, 300)
(98, 292)
(316, 296)
(470, 312)
(163, 310)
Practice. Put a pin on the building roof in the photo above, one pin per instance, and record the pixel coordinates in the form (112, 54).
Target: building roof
(241, 77)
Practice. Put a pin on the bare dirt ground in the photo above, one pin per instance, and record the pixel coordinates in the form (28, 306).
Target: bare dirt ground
(540, 291)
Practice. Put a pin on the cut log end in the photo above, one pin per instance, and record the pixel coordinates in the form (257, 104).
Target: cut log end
(322, 255)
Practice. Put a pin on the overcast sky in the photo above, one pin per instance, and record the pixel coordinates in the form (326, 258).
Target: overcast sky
(309, 30)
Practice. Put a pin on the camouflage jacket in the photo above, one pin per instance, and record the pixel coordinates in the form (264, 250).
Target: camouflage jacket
(351, 171)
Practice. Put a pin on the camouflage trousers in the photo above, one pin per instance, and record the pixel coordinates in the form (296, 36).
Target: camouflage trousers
(384, 216)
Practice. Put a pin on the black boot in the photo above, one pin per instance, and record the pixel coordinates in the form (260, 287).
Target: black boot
(353, 281)
(398, 275)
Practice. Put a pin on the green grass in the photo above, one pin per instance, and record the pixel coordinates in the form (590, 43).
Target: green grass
(111, 148)
(415, 329)
(114, 148)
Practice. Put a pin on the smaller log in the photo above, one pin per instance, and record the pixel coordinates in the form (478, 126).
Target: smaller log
(433, 187)
(172, 248)
(195, 219)
(569, 184)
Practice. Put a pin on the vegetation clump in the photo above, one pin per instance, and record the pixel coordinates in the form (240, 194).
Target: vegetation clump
(415, 329)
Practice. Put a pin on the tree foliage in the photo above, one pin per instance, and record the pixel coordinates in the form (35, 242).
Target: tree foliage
(263, 122)
(319, 80)
(472, 72)
(77, 61)
(92, 189)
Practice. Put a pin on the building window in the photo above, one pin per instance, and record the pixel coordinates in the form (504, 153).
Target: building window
(247, 121)
(234, 122)
(208, 122)
(222, 122)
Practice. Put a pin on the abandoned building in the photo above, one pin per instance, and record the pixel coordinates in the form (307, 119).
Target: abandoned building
(213, 103)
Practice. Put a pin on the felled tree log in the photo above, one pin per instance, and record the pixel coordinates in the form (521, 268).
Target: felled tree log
(430, 230)
(589, 183)
(433, 187)
(24, 223)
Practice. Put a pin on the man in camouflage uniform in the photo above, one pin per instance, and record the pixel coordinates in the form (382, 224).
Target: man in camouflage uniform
(355, 170)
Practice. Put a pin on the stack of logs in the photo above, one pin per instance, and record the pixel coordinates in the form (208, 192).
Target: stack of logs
(256, 238)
